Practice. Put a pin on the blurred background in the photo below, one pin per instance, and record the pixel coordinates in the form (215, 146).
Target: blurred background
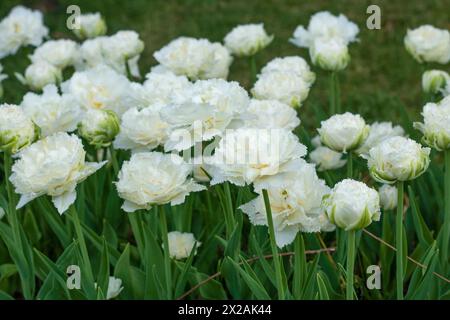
(381, 82)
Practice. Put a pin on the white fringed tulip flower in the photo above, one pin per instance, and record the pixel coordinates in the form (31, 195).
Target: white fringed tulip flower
(435, 81)
(52, 166)
(91, 25)
(325, 25)
(379, 131)
(295, 201)
(21, 27)
(397, 159)
(99, 127)
(40, 74)
(51, 111)
(436, 124)
(428, 44)
(247, 39)
(154, 178)
(142, 129)
(181, 244)
(17, 131)
(294, 64)
(195, 58)
(271, 114)
(244, 156)
(344, 132)
(327, 159)
(290, 88)
(59, 53)
(114, 288)
(388, 197)
(100, 88)
(352, 205)
(330, 54)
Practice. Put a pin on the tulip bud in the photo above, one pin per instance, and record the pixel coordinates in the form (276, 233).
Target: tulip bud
(433, 81)
(388, 197)
(329, 54)
(40, 74)
(397, 159)
(352, 205)
(436, 128)
(99, 127)
(344, 132)
(91, 25)
(16, 129)
(246, 40)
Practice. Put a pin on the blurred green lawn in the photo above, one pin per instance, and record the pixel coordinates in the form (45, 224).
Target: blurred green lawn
(380, 77)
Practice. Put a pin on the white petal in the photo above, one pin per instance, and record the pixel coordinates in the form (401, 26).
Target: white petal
(63, 202)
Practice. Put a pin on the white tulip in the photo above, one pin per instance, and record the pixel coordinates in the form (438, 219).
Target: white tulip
(428, 44)
(344, 132)
(325, 25)
(329, 54)
(379, 131)
(271, 114)
(295, 201)
(327, 159)
(388, 197)
(52, 166)
(100, 88)
(99, 127)
(397, 159)
(244, 156)
(21, 27)
(17, 131)
(294, 64)
(195, 58)
(435, 126)
(290, 88)
(91, 25)
(141, 129)
(114, 288)
(352, 205)
(181, 244)
(60, 53)
(435, 81)
(154, 178)
(51, 111)
(247, 39)
(40, 74)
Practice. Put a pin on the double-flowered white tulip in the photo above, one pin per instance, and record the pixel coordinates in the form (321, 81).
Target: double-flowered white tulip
(21, 27)
(244, 156)
(388, 196)
(51, 111)
(428, 44)
(154, 178)
(271, 114)
(181, 244)
(59, 53)
(327, 159)
(52, 166)
(295, 201)
(325, 25)
(40, 74)
(379, 131)
(435, 81)
(344, 132)
(142, 129)
(99, 127)
(247, 39)
(294, 64)
(17, 130)
(329, 53)
(397, 159)
(90, 25)
(195, 58)
(352, 205)
(436, 124)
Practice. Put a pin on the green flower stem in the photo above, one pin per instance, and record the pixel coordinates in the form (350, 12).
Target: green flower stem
(252, 62)
(399, 241)
(446, 225)
(164, 232)
(337, 95)
(273, 245)
(332, 94)
(350, 165)
(114, 160)
(12, 213)
(350, 263)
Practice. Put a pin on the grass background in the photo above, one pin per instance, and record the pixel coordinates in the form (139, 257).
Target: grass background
(380, 77)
